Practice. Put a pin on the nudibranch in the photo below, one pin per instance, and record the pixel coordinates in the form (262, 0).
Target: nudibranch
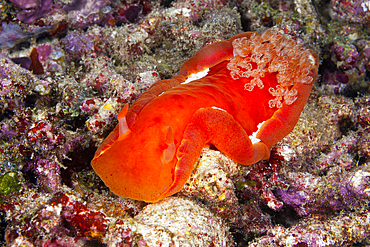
(241, 95)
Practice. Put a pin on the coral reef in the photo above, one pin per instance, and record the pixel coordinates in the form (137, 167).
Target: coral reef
(68, 67)
(319, 231)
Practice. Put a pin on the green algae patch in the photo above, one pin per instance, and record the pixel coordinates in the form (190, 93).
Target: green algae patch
(240, 185)
(8, 183)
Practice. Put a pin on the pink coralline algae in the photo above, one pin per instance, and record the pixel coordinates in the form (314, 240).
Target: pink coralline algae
(264, 176)
(60, 218)
(363, 119)
(341, 154)
(32, 10)
(11, 34)
(48, 172)
(86, 7)
(44, 135)
(77, 44)
(84, 13)
(345, 55)
(44, 52)
(345, 69)
(351, 11)
(313, 194)
(324, 122)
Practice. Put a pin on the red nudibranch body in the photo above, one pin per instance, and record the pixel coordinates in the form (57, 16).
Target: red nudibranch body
(250, 95)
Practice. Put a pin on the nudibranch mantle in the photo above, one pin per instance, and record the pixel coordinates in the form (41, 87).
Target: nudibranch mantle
(254, 86)
(196, 76)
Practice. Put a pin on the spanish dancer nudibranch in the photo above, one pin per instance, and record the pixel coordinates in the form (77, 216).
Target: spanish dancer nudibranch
(241, 95)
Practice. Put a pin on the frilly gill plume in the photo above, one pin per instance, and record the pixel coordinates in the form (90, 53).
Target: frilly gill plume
(273, 53)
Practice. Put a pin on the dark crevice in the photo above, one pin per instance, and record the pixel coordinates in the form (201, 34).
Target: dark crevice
(3, 225)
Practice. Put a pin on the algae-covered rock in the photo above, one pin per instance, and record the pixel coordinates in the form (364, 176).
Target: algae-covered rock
(8, 183)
